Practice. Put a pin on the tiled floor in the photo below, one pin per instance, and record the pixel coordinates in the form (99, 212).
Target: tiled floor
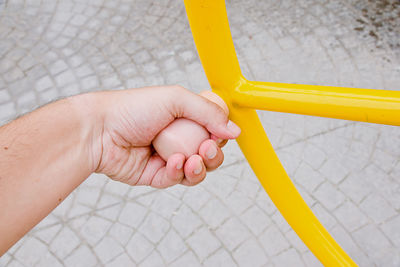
(348, 172)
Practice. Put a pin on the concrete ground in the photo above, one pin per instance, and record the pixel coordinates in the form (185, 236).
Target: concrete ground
(348, 172)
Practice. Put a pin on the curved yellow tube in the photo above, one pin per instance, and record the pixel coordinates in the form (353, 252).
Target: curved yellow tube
(266, 165)
(209, 23)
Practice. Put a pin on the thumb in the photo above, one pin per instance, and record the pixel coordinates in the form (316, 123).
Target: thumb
(206, 113)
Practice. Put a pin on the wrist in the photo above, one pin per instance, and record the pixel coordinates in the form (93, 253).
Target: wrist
(89, 110)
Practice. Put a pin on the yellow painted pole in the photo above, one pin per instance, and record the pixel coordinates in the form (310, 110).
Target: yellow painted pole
(266, 165)
(213, 40)
(368, 105)
(209, 23)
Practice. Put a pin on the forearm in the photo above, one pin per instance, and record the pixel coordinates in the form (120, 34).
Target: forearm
(44, 156)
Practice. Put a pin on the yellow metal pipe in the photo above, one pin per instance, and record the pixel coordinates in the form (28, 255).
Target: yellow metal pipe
(266, 165)
(211, 33)
(368, 105)
(209, 24)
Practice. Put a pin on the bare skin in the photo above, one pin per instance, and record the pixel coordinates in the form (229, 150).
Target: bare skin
(46, 154)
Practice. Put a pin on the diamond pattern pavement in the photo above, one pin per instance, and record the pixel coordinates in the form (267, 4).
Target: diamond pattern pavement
(348, 172)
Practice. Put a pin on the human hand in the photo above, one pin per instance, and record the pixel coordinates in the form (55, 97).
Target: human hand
(131, 120)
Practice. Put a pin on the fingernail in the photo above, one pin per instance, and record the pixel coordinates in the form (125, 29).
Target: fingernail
(233, 128)
(198, 169)
(219, 141)
(179, 166)
(211, 152)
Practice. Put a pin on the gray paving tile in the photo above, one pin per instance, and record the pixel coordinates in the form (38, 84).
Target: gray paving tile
(349, 173)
